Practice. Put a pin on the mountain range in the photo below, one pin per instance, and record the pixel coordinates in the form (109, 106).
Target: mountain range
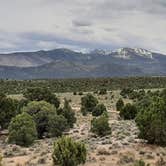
(65, 63)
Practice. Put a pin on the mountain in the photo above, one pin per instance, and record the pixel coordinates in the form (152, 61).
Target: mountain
(31, 59)
(65, 63)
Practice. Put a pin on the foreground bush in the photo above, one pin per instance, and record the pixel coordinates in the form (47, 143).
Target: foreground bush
(152, 122)
(40, 111)
(22, 130)
(128, 112)
(99, 110)
(100, 125)
(88, 103)
(119, 105)
(8, 110)
(67, 152)
(39, 94)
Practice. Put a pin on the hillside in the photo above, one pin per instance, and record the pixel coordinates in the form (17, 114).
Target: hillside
(64, 63)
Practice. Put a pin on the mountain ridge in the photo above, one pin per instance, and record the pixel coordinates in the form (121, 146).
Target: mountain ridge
(65, 63)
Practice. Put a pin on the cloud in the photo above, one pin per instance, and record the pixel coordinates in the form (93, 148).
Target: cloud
(36, 24)
(81, 23)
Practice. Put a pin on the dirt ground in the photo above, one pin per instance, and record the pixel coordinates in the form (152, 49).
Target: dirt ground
(122, 147)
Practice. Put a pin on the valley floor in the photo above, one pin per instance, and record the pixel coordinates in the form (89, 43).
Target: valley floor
(121, 148)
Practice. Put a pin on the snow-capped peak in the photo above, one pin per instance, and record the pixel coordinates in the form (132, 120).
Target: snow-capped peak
(125, 53)
(143, 52)
(101, 52)
(122, 53)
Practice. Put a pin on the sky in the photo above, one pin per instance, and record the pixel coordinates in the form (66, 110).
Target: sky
(82, 25)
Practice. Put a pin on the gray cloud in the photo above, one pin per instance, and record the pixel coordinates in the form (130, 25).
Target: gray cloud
(31, 25)
(81, 23)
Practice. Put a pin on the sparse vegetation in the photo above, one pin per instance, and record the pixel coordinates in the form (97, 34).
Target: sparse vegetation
(106, 135)
(88, 103)
(128, 112)
(67, 152)
(103, 91)
(119, 105)
(99, 110)
(68, 113)
(100, 125)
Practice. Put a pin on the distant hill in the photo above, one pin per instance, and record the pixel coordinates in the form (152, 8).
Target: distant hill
(65, 63)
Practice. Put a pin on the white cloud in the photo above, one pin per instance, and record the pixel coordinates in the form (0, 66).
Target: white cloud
(81, 24)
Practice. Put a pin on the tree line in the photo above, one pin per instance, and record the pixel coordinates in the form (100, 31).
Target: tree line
(83, 84)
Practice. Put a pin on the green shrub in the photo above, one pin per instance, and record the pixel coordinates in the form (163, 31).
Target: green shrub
(1, 159)
(119, 105)
(95, 92)
(39, 94)
(74, 93)
(140, 163)
(80, 93)
(103, 91)
(163, 93)
(8, 110)
(84, 111)
(99, 110)
(127, 92)
(56, 125)
(152, 122)
(22, 103)
(128, 112)
(40, 111)
(22, 130)
(88, 103)
(67, 152)
(143, 103)
(100, 125)
(2, 95)
(68, 113)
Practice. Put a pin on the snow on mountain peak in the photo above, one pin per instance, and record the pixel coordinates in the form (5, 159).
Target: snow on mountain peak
(122, 53)
(143, 52)
(125, 53)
